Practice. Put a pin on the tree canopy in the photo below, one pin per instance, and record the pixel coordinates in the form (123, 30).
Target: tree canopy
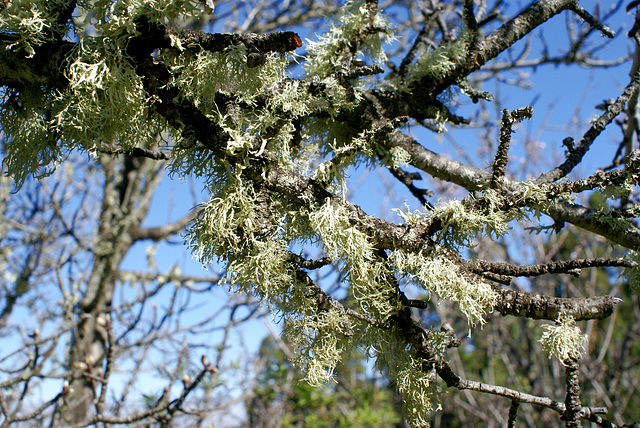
(272, 126)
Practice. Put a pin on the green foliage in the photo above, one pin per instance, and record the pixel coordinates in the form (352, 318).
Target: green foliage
(352, 401)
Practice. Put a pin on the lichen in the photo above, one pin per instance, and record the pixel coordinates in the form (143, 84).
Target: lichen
(319, 342)
(436, 63)
(441, 276)
(415, 380)
(29, 22)
(563, 340)
(326, 55)
(368, 276)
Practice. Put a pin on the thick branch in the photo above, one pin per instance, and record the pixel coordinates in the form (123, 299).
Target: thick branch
(572, 401)
(473, 179)
(562, 266)
(535, 306)
(499, 41)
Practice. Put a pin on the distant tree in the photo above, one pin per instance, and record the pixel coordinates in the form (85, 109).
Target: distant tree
(140, 84)
(281, 399)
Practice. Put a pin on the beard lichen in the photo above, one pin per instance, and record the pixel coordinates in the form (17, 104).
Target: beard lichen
(414, 379)
(327, 54)
(319, 342)
(28, 21)
(367, 274)
(443, 277)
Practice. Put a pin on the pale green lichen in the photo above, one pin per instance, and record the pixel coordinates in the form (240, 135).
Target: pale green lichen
(368, 275)
(399, 158)
(409, 217)
(339, 236)
(437, 63)
(105, 100)
(419, 393)
(225, 224)
(326, 55)
(319, 342)
(414, 379)
(207, 77)
(443, 277)
(563, 340)
(30, 147)
(29, 21)
(203, 75)
(113, 18)
(263, 272)
(460, 224)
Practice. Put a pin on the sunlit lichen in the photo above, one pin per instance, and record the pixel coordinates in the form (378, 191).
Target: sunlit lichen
(366, 273)
(319, 342)
(563, 340)
(105, 100)
(415, 380)
(443, 277)
(113, 18)
(461, 224)
(224, 225)
(419, 393)
(409, 217)
(437, 63)
(327, 54)
(29, 22)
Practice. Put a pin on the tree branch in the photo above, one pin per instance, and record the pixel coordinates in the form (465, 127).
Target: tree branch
(162, 232)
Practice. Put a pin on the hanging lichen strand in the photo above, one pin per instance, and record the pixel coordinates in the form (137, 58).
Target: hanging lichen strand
(275, 153)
